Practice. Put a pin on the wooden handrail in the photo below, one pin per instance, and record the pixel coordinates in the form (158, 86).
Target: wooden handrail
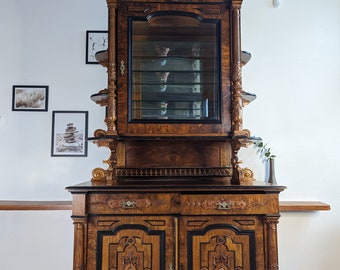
(285, 206)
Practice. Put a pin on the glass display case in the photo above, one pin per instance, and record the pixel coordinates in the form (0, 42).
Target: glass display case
(174, 69)
(174, 97)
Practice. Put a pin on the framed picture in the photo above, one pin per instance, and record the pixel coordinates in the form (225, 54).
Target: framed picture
(30, 98)
(95, 41)
(69, 133)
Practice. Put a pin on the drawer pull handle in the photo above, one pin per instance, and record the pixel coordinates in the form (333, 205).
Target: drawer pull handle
(223, 206)
(129, 204)
(171, 267)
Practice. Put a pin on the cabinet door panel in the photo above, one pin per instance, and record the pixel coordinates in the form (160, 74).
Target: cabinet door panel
(223, 243)
(173, 73)
(132, 242)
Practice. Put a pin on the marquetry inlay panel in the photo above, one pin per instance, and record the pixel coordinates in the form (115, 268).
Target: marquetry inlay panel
(228, 204)
(130, 242)
(134, 203)
(131, 249)
(213, 244)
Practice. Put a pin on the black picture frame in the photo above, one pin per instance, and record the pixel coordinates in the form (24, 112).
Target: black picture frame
(69, 133)
(96, 40)
(30, 98)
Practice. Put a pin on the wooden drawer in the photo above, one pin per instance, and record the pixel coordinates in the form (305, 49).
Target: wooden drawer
(115, 203)
(222, 204)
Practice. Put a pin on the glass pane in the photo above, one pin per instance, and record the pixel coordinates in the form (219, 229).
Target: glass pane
(174, 72)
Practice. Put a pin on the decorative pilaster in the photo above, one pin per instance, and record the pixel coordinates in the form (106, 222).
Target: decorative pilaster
(271, 232)
(80, 231)
(111, 118)
(79, 241)
(238, 132)
(236, 83)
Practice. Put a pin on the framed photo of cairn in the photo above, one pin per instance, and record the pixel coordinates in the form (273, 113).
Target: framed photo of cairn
(69, 133)
(30, 98)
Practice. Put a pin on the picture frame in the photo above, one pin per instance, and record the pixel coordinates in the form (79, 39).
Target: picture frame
(96, 40)
(69, 133)
(30, 98)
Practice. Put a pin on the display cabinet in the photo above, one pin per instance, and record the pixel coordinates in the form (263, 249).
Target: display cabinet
(174, 98)
(172, 194)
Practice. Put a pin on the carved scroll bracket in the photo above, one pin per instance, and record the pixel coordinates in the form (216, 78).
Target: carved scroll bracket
(110, 174)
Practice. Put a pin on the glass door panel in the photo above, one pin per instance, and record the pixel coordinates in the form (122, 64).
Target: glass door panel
(174, 70)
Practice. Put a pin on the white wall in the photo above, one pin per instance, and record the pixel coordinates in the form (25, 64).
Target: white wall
(36, 240)
(43, 42)
(295, 72)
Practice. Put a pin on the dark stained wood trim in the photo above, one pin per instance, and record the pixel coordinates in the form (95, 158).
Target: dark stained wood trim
(285, 206)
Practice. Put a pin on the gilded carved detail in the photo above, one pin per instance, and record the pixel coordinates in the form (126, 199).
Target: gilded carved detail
(99, 174)
(237, 97)
(247, 176)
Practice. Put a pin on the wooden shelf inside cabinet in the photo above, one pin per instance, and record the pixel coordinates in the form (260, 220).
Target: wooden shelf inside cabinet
(102, 58)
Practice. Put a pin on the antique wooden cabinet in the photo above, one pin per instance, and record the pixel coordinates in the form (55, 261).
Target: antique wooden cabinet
(173, 195)
(167, 227)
